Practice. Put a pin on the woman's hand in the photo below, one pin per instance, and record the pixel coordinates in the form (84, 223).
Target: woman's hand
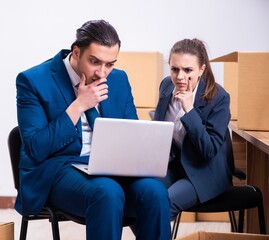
(186, 98)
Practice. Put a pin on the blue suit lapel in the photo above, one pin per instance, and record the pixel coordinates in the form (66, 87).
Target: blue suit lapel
(63, 81)
(199, 103)
(105, 106)
(164, 99)
(163, 104)
(62, 78)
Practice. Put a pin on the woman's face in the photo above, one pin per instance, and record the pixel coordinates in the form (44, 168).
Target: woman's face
(185, 70)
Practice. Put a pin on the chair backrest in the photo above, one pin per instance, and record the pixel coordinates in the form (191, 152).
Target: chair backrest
(236, 172)
(14, 146)
(229, 148)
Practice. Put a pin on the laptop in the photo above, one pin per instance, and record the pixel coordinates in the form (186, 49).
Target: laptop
(123, 147)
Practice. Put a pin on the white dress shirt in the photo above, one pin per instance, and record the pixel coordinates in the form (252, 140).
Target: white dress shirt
(86, 130)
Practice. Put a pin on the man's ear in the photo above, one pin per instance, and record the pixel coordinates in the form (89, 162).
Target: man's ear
(76, 52)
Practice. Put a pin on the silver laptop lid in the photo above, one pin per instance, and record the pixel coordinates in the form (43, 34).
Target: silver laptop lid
(130, 147)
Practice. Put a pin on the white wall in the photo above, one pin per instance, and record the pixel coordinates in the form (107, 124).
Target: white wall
(32, 31)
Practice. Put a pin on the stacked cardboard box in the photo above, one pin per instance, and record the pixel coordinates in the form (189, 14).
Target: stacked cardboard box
(6, 230)
(246, 78)
(145, 72)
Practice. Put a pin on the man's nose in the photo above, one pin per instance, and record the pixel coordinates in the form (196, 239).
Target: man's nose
(101, 72)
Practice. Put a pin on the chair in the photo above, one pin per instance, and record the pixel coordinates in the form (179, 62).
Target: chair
(48, 212)
(235, 199)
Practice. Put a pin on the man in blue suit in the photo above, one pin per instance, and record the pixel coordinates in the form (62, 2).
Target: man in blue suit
(54, 104)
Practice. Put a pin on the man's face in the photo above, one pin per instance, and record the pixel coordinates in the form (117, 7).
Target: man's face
(96, 61)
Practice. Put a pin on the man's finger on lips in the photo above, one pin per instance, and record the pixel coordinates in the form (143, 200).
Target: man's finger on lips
(103, 92)
(100, 81)
(102, 87)
(103, 97)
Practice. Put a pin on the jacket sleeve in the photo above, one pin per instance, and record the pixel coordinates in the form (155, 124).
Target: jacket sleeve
(121, 101)
(207, 130)
(43, 135)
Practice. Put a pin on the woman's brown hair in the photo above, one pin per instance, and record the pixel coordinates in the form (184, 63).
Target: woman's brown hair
(197, 47)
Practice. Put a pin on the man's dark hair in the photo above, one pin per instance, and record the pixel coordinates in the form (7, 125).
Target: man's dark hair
(97, 31)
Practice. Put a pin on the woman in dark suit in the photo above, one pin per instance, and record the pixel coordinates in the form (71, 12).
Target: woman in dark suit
(199, 107)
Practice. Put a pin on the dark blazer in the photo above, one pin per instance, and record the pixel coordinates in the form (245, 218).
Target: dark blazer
(48, 135)
(204, 151)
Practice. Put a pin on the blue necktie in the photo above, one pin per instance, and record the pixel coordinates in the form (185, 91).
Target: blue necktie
(91, 115)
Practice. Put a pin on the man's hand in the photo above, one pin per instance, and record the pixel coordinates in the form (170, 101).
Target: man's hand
(88, 97)
(93, 93)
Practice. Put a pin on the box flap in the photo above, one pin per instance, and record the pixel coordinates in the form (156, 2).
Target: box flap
(202, 235)
(191, 236)
(7, 230)
(231, 57)
(6, 223)
(234, 56)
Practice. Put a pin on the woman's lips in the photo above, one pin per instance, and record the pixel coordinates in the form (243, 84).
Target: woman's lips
(181, 85)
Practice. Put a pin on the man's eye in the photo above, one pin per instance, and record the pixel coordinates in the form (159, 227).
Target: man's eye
(94, 62)
(109, 65)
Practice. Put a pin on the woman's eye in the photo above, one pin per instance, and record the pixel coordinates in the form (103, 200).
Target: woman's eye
(175, 70)
(188, 70)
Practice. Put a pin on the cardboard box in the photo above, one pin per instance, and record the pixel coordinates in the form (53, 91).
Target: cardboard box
(188, 217)
(145, 72)
(206, 217)
(246, 78)
(6, 230)
(213, 217)
(201, 235)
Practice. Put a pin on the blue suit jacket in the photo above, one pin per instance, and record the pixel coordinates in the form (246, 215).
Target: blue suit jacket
(48, 135)
(204, 151)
